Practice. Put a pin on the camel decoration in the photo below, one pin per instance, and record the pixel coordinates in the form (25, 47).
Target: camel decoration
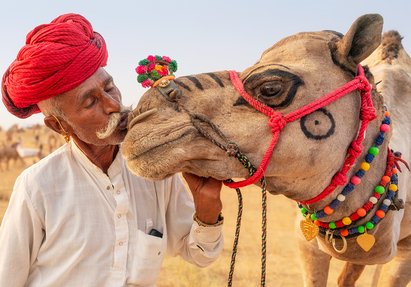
(321, 136)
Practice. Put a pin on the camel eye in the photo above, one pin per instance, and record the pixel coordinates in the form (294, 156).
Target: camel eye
(271, 89)
(275, 88)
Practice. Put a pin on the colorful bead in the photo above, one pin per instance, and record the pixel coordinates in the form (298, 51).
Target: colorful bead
(355, 180)
(369, 225)
(379, 189)
(387, 202)
(387, 113)
(393, 187)
(374, 150)
(380, 213)
(332, 225)
(313, 217)
(303, 210)
(385, 179)
(373, 200)
(361, 212)
(361, 229)
(346, 220)
(384, 128)
(328, 210)
(365, 166)
(340, 197)
(344, 232)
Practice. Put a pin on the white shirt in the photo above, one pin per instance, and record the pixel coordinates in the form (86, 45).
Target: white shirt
(69, 224)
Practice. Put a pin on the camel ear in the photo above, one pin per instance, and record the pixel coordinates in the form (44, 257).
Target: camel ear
(363, 37)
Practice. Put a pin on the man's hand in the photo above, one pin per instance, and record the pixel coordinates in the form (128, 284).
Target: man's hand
(206, 194)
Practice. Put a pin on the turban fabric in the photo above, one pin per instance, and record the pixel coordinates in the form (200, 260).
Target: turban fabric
(56, 58)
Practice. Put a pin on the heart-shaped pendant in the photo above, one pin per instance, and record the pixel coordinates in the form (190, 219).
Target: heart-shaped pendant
(366, 241)
(309, 229)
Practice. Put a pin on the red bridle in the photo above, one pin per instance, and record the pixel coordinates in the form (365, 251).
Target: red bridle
(278, 121)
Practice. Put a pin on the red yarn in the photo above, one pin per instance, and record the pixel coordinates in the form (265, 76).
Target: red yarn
(56, 58)
(277, 122)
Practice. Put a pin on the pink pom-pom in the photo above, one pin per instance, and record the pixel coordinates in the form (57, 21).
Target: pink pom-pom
(384, 128)
(141, 70)
(146, 83)
(355, 180)
(151, 67)
(167, 59)
(151, 58)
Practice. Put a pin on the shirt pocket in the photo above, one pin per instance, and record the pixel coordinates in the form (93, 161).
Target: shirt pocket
(146, 259)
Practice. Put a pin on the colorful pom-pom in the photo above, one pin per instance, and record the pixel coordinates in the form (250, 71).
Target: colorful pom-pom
(153, 68)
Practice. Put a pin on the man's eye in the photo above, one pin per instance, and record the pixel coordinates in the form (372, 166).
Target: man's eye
(90, 102)
(110, 89)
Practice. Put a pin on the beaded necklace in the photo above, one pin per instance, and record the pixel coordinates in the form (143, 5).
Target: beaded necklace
(312, 225)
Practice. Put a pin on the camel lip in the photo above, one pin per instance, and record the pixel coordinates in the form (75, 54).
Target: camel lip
(123, 122)
(143, 152)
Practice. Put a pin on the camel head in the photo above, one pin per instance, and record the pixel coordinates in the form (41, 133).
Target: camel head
(183, 127)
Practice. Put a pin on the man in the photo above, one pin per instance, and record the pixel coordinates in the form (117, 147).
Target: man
(79, 217)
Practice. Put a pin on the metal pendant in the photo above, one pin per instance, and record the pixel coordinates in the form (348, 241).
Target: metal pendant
(329, 237)
(366, 241)
(309, 229)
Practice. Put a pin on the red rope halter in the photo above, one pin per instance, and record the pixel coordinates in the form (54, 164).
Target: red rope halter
(277, 122)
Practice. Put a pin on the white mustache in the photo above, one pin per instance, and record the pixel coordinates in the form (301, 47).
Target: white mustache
(113, 122)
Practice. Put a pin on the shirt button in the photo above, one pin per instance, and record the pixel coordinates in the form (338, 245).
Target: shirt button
(118, 192)
(108, 187)
(120, 243)
(118, 216)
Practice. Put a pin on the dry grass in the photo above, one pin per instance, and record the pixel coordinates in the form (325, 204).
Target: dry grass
(283, 267)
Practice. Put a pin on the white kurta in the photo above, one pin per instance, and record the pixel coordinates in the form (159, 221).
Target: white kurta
(69, 224)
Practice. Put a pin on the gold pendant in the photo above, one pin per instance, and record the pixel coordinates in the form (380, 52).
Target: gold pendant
(309, 229)
(366, 241)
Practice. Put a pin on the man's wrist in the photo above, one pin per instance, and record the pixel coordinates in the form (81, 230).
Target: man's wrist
(220, 221)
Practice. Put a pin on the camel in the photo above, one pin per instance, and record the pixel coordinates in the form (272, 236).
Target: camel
(9, 153)
(307, 119)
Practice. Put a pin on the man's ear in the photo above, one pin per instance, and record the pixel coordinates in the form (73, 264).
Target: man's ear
(55, 124)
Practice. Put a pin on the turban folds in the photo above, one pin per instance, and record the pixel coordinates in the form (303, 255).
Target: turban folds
(56, 58)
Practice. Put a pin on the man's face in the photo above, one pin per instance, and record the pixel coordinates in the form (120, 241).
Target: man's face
(88, 108)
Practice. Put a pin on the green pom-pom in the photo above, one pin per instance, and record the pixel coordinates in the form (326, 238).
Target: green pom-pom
(143, 62)
(172, 67)
(141, 78)
(158, 58)
(154, 75)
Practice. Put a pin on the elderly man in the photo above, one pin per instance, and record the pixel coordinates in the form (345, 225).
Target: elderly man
(79, 217)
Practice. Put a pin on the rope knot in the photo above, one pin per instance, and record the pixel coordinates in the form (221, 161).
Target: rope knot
(355, 149)
(277, 122)
(365, 86)
(232, 149)
(339, 178)
(368, 114)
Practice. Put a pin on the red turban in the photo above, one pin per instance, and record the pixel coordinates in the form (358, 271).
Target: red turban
(57, 57)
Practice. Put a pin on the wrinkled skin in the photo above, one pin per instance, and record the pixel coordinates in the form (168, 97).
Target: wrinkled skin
(162, 139)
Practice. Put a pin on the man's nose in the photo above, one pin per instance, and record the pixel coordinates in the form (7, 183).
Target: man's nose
(111, 104)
